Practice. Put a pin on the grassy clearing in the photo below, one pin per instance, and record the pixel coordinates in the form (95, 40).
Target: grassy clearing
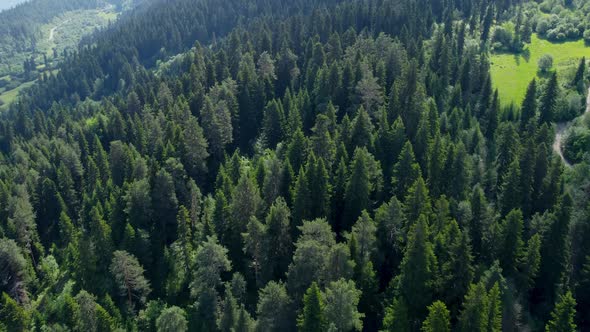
(512, 73)
(10, 96)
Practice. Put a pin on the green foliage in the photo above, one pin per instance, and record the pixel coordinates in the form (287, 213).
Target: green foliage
(313, 316)
(201, 163)
(438, 319)
(341, 312)
(562, 317)
(129, 278)
(13, 316)
(172, 319)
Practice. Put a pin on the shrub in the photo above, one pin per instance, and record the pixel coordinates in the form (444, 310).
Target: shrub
(545, 63)
(577, 144)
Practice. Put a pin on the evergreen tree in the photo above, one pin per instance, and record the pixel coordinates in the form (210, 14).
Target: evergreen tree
(274, 308)
(301, 202)
(580, 72)
(405, 172)
(475, 313)
(549, 100)
(512, 250)
(511, 195)
(528, 110)
(562, 317)
(313, 316)
(553, 251)
(357, 192)
(494, 306)
(417, 202)
(246, 203)
(273, 123)
(341, 311)
(129, 278)
(172, 319)
(438, 320)
(13, 316)
(418, 268)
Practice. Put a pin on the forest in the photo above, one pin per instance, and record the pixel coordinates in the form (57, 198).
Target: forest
(301, 165)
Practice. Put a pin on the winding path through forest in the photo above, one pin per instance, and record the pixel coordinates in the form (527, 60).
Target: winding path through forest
(560, 131)
(52, 31)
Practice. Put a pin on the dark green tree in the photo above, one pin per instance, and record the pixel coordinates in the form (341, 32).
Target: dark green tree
(313, 316)
(562, 317)
(438, 319)
(549, 100)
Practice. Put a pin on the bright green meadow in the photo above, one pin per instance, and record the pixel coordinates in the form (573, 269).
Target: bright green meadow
(511, 73)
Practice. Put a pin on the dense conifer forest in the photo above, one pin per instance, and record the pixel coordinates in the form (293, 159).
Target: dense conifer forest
(298, 165)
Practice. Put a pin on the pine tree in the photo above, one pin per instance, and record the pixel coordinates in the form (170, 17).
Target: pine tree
(277, 241)
(246, 203)
(313, 316)
(580, 72)
(396, 317)
(417, 202)
(562, 317)
(341, 311)
(528, 110)
(361, 135)
(217, 125)
(297, 150)
(475, 313)
(320, 195)
(512, 249)
(12, 315)
(549, 100)
(165, 206)
(438, 320)
(511, 195)
(494, 306)
(273, 124)
(418, 268)
(553, 251)
(194, 147)
(405, 172)
(322, 143)
(129, 278)
(357, 192)
(245, 322)
(390, 219)
(274, 308)
(301, 202)
(172, 319)
(228, 316)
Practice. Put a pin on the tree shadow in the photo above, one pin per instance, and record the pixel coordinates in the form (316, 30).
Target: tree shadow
(544, 74)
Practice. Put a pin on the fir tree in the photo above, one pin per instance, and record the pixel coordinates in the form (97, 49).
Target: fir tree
(313, 317)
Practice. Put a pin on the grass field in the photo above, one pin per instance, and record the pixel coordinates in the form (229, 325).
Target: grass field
(512, 73)
(9, 96)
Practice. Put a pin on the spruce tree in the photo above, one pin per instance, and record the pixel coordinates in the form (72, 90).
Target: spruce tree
(438, 320)
(313, 316)
(405, 172)
(416, 284)
(528, 110)
(357, 192)
(512, 250)
(562, 317)
(549, 100)
(475, 313)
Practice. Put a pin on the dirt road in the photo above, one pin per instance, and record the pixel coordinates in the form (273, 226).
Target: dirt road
(560, 131)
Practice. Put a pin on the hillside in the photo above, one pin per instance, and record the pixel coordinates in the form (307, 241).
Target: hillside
(300, 165)
(7, 4)
(50, 35)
